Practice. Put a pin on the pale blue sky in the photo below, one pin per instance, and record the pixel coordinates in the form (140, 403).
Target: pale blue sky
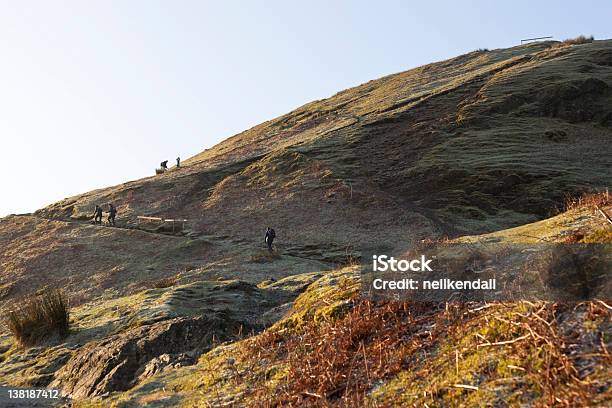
(94, 93)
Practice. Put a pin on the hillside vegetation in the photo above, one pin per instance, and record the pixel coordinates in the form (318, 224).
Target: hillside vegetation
(481, 149)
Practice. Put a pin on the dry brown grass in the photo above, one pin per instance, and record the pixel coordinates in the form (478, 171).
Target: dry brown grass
(45, 315)
(581, 39)
(587, 200)
(338, 363)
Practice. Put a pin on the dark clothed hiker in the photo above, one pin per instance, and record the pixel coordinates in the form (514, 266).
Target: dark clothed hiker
(112, 213)
(98, 215)
(270, 235)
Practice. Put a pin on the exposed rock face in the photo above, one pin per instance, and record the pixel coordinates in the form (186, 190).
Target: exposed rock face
(165, 361)
(120, 361)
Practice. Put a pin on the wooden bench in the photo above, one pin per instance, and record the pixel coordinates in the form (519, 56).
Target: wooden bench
(174, 221)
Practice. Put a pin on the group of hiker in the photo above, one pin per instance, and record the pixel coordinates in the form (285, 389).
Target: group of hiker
(164, 165)
(112, 213)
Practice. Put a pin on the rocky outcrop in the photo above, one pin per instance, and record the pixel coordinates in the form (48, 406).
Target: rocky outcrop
(119, 362)
(165, 362)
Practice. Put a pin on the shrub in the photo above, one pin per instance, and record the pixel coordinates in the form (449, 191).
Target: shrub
(581, 39)
(45, 315)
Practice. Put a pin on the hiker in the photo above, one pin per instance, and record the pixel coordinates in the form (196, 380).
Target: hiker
(270, 235)
(98, 215)
(112, 213)
(178, 162)
(164, 165)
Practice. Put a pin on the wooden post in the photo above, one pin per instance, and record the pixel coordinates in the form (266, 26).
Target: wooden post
(606, 216)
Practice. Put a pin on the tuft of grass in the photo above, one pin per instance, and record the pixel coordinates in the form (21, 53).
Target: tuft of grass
(581, 39)
(580, 201)
(587, 200)
(45, 315)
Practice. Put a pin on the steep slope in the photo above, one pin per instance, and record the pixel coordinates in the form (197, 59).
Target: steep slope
(484, 141)
(479, 142)
(476, 144)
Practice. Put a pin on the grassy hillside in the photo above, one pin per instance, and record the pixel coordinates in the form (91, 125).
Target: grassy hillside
(484, 141)
(334, 348)
(480, 149)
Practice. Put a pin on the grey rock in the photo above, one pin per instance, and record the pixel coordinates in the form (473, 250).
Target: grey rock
(119, 362)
